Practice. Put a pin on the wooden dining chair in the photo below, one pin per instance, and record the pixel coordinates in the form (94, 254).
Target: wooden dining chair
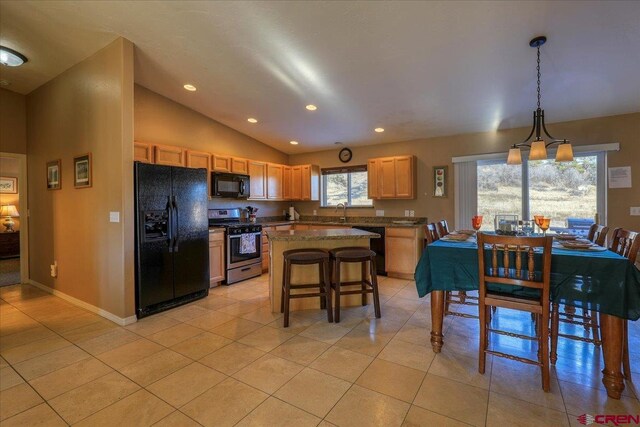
(627, 244)
(598, 234)
(443, 228)
(430, 234)
(517, 284)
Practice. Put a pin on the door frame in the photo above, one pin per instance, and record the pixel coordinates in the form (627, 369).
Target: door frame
(24, 207)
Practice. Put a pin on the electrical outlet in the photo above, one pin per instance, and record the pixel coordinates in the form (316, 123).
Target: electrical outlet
(114, 216)
(412, 213)
(635, 211)
(54, 269)
(406, 212)
(379, 212)
(315, 212)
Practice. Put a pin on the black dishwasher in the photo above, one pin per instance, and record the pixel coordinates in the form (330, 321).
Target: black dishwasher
(377, 245)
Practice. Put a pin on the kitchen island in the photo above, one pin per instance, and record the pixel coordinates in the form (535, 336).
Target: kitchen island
(280, 241)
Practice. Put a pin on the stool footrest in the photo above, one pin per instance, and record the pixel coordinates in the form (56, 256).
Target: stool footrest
(305, 286)
(317, 294)
(356, 283)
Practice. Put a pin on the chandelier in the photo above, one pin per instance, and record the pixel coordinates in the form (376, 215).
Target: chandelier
(539, 146)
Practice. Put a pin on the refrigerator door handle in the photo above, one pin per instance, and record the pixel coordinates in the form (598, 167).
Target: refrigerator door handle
(169, 225)
(177, 233)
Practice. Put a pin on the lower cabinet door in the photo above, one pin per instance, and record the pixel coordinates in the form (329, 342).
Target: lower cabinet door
(216, 259)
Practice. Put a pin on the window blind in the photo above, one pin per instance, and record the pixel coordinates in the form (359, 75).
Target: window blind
(343, 169)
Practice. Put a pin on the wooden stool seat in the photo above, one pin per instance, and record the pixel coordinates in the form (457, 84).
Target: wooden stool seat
(308, 256)
(361, 255)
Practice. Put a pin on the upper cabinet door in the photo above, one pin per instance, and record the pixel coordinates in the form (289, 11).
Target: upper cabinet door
(142, 152)
(386, 178)
(274, 182)
(220, 163)
(372, 179)
(198, 159)
(404, 177)
(296, 183)
(239, 165)
(169, 155)
(306, 183)
(258, 174)
(286, 182)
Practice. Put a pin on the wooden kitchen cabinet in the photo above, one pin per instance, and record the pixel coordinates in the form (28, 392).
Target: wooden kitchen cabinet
(142, 152)
(220, 163)
(391, 177)
(275, 175)
(216, 258)
(258, 174)
(372, 178)
(386, 178)
(305, 182)
(198, 159)
(169, 155)
(239, 165)
(296, 183)
(403, 248)
(286, 182)
(405, 177)
(265, 248)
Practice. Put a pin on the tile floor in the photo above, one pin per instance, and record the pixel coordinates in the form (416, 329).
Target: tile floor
(227, 360)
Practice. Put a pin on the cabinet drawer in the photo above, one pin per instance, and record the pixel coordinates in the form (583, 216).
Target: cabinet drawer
(216, 237)
(400, 232)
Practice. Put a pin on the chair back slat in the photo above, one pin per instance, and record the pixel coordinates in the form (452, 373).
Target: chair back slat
(430, 233)
(531, 263)
(518, 262)
(598, 234)
(443, 228)
(626, 243)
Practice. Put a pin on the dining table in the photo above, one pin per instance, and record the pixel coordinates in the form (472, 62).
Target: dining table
(599, 280)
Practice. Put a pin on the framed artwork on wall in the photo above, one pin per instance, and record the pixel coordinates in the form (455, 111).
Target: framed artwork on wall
(54, 175)
(8, 185)
(82, 170)
(440, 177)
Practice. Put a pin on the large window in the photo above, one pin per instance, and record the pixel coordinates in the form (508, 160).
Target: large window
(345, 185)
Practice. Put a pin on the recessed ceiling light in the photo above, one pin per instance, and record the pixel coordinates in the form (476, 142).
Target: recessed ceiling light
(11, 58)
(311, 107)
(190, 88)
(379, 130)
(252, 120)
(293, 142)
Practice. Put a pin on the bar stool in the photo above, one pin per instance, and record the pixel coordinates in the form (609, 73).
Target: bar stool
(355, 255)
(306, 257)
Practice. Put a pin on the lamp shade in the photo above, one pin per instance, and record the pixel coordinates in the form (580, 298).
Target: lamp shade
(538, 151)
(515, 157)
(564, 153)
(9, 210)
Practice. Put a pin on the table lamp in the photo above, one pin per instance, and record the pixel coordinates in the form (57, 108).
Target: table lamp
(9, 211)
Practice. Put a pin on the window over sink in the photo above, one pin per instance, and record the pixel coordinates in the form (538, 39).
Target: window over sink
(345, 185)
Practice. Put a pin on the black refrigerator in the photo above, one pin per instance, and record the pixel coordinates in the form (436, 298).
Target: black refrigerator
(172, 236)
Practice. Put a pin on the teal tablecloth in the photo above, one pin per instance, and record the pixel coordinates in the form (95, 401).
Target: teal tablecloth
(602, 281)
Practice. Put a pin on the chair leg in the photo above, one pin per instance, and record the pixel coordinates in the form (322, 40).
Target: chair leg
(555, 320)
(363, 285)
(284, 276)
(538, 326)
(323, 302)
(336, 317)
(287, 290)
(462, 296)
(482, 356)
(447, 297)
(327, 288)
(626, 363)
(374, 286)
(546, 381)
(595, 328)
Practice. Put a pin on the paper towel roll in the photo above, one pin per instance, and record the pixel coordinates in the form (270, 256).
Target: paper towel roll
(292, 213)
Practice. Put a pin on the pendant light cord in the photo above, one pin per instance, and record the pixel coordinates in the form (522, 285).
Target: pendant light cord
(538, 68)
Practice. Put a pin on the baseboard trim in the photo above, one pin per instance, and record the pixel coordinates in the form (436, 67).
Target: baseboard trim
(122, 321)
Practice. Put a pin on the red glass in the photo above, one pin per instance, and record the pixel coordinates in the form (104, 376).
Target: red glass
(538, 219)
(544, 225)
(476, 222)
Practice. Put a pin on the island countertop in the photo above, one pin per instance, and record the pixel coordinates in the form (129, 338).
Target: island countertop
(329, 234)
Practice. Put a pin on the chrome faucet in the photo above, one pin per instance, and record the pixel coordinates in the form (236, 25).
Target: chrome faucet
(343, 218)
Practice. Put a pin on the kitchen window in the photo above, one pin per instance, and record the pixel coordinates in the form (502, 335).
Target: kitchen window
(345, 185)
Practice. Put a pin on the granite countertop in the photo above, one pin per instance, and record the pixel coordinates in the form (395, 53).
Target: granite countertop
(216, 229)
(337, 234)
(338, 224)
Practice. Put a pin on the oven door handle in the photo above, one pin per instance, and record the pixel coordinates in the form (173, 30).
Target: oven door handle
(237, 236)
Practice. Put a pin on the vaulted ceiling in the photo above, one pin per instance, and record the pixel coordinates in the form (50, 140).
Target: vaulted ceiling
(417, 69)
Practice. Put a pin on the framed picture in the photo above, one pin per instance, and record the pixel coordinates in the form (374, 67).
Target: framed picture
(54, 175)
(82, 171)
(440, 177)
(8, 185)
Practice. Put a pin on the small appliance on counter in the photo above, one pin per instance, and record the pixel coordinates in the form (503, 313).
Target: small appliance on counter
(243, 255)
(230, 185)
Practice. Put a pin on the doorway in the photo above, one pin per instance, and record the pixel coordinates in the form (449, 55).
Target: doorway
(14, 264)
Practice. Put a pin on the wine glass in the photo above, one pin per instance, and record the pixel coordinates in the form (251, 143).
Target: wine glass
(538, 219)
(544, 225)
(476, 222)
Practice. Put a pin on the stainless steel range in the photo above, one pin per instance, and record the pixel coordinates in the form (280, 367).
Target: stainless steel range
(243, 255)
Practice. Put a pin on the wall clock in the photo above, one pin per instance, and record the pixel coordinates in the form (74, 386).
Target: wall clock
(345, 155)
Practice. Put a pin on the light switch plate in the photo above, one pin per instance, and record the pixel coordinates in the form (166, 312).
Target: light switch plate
(379, 212)
(635, 211)
(412, 213)
(406, 212)
(114, 216)
(315, 212)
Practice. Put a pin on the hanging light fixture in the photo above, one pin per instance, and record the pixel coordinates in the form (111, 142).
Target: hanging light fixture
(539, 146)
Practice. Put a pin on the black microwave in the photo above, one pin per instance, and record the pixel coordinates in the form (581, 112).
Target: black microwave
(230, 185)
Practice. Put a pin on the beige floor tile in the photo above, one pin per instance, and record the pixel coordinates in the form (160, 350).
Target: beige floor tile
(408, 354)
(40, 415)
(274, 412)
(392, 379)
(17, 399)
(297, 324)
(151, 369)
(266, 338)
(129, 353)
(394, 314)
(215, 302)
(138, 409)
(419, 417)
(262, 315)
(186, 384)
(461, 368)
(70, 377)
(175, 334)
(239, 308)
(91, 330)
(508, 411)
(176, 419)
(9, 378)
(112, 339)
(201, 345)
(88, 399)
(25, 337)
(324, 331)
(69, 321)
(404, 303)
(339, 362)
(35, 348)
(313, 391)
(236, 328)
(580, 400)
(362, 341)
(300, 349)
(363, 407)
(268, 373)
(151, 325)
(3, 363)
(225, 404)
(453, 399)
(210, 320)
(186, 312)
(415, 334)
(42, 365)
(231, 358)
